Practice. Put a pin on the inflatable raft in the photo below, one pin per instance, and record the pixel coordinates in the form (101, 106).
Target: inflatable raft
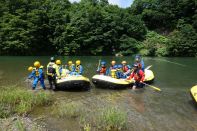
(193, 93)
(102, 81)
(73, 82)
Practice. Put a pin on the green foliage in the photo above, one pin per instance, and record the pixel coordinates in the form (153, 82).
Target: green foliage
(94, 27)
(155, 45)
(68, 110)
(16, 100)
(113, 119)
(183, 41)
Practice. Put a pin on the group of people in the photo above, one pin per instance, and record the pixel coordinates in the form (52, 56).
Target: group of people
(124, 71)
(55, 70)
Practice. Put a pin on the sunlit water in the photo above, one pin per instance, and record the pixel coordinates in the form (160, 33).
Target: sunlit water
(169, 110)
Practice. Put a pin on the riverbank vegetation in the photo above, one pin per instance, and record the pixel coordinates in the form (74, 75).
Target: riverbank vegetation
(18, 101)
(94, 27)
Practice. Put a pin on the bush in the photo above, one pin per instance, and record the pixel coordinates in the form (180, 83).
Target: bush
(155, 44)
(20, 101)
(113, 119)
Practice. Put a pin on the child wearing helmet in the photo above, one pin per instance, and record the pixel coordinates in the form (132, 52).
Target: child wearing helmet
(138, 76)
(78, 68)
(126, 68)
(71, 67)
(119, 72)
(38, 75)
(58, 69)
(103, 69)
(112, 67)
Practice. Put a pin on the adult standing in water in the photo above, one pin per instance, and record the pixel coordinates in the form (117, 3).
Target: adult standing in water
(37, 74)
(51, 73)
(79, 68)
(138, 76)
(139, 61)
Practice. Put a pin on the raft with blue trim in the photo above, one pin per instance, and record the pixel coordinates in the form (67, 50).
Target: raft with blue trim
(193, 92)
(74, 82)
(102, 81)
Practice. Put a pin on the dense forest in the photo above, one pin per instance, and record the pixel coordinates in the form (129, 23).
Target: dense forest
(94, 27)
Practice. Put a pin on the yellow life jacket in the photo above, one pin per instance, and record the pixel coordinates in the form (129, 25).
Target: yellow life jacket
(77, 68)
(113, 73)
(37, 72)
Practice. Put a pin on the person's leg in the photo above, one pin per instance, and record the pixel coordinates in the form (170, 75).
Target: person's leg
(54, 82)
(50, 79)
(134, 86)
(35, 82)
(42, 84)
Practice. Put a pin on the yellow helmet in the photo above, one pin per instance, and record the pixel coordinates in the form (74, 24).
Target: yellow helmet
(30, 68)
(37, 64)
(58, 62)
(41, 66)
(124, 62)
(113, 62)
(78, 62)
(70, 62)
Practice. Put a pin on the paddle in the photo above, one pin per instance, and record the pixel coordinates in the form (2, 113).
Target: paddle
(98, 65)
(156, 88)
(148, 67)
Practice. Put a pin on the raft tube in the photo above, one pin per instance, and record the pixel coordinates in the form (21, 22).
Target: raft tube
(149, 76)
(193, 92)
(77, 82)
(102, 81)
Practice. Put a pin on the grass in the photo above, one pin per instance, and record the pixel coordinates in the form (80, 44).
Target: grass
(19, 125)
(69, 110)
(112, 119)
(20, 101)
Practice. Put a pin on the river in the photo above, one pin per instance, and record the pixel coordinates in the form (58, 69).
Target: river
(169, 110)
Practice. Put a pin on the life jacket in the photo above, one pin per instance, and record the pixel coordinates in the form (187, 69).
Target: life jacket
(37, 73)
(77, 69)
(125, 68)
(137, 75)
(113, 73)
(103, 71)
(70, 68)
(51, 69)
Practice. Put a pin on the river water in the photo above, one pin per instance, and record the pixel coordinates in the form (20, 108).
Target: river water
(169, 110)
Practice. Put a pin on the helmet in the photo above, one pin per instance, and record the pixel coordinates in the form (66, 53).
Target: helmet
(70, 62)
(137, 58)
(52, 59)
(58, 62)
(135, 65)
(37, 64)
(41, 66)
(124, 62)
(30, 68)
(119, 66)
(115, 67)
(78, 62)
(113, 62)
(103, 63)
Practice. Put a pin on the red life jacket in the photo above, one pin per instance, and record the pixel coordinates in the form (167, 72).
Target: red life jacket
(137, 75)
(103, 71)
(125, 68)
